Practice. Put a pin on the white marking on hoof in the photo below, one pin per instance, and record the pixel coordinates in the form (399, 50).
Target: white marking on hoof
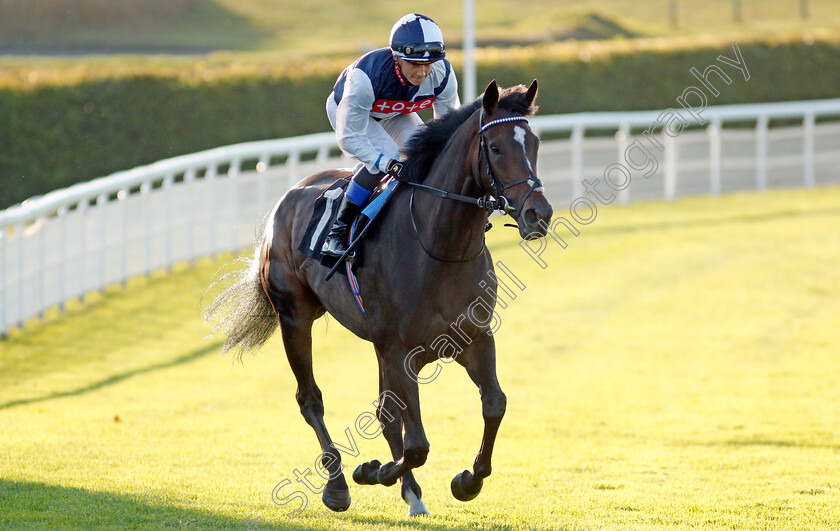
(416, 507)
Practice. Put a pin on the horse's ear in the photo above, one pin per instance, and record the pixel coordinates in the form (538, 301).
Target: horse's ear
(491, 97)
(532, 93)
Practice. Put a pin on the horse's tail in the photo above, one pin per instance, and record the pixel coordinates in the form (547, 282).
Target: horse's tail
(243, 312)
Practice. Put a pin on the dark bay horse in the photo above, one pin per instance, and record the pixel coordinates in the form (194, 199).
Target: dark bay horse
(423, 267)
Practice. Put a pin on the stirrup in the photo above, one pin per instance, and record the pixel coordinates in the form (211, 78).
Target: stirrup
(351, 256)
(334, 246)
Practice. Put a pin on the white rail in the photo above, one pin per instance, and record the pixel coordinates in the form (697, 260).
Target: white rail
(71, 242)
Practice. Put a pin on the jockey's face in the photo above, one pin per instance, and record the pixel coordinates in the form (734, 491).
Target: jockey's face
(415, 73)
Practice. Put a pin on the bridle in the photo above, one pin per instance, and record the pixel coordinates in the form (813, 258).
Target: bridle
(504, 204)
(491, 203)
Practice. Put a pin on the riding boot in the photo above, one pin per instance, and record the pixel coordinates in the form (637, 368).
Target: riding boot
(336, 242)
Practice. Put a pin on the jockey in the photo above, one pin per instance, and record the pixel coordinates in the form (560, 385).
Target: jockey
(373, 109)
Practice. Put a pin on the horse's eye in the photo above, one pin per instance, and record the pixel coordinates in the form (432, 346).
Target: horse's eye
(495, 149)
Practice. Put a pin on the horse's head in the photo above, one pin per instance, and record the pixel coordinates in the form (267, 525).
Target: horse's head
(508, 162)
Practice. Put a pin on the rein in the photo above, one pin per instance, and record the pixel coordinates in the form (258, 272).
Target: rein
(498, 203)
(419, 239)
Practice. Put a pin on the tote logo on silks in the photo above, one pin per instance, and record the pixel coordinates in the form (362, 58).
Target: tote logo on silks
(404, 107)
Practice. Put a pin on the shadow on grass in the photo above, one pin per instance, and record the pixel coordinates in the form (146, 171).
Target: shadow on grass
(779, 443)
(28, 505)
(423, 522)
(111, 380)
(73, 28)
(591, 26)
(38, 506)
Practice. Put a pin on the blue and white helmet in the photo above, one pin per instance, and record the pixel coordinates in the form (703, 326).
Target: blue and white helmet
(417, 38)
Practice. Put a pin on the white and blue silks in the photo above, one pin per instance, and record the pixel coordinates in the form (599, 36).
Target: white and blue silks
(373, 109)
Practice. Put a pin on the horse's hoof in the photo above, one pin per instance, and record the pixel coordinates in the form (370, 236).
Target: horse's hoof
(416, 507)
(359, 476)
(387, 475)
(337, 500)
(460, 491)
(365, 471)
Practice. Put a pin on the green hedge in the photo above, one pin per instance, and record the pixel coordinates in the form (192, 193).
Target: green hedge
(55, 134)
(653, 77)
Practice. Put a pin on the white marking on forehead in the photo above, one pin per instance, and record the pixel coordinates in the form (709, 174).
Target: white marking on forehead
(519, 136)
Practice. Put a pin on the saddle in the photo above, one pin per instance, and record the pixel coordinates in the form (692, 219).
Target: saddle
(323, 216)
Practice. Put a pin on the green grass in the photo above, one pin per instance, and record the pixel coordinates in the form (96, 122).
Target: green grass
(329, 27)
(674, 368)
(201, 40)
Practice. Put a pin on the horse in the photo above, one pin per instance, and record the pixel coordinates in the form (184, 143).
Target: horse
(422, 268)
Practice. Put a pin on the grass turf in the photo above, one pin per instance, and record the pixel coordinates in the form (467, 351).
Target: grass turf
(674, 367)
(320, 27)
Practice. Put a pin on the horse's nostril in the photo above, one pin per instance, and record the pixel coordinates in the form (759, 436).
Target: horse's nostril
(530, 217)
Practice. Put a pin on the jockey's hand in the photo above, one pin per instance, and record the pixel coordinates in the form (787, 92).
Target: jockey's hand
(394, 168)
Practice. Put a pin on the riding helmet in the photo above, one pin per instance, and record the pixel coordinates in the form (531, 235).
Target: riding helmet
(417, 38)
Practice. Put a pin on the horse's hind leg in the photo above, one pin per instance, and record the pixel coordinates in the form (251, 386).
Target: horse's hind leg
(297, 309)
(480, 362)
(392, 425)
(402, 391)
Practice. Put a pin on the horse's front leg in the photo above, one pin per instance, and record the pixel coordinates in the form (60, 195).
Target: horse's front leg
(480, 362)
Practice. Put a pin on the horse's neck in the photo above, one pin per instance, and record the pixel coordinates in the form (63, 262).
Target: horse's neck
(450, 228)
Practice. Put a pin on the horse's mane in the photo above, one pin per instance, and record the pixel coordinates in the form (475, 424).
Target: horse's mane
(428, 142)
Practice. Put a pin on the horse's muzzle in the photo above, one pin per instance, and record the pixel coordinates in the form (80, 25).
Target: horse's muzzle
(535, 217)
